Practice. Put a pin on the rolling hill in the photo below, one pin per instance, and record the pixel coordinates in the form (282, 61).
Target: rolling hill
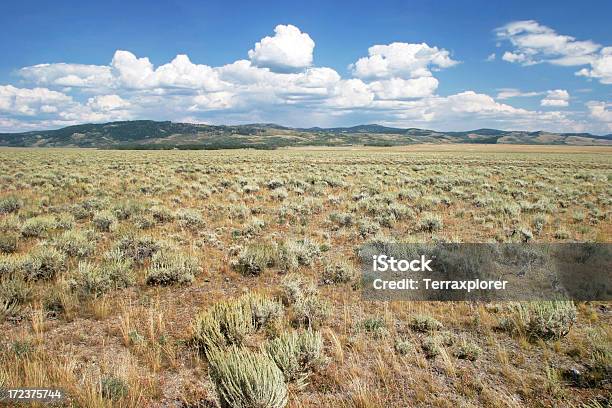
(147, 134)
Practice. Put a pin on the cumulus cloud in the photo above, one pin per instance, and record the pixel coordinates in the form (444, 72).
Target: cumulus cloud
(535, 43)
(402, 60)
(602, 112)
(182, 73)
(394, 84)
(472, 102)
(288, 50)
(133, 72)
(556, 98)
(351, 93)
(517, 57)
(105, 103)
(399, 88)
(126, 71)
(30, 102)
(62, 74)
(601, 67)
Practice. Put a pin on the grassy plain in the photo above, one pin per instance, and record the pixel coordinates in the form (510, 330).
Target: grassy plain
(140, 278)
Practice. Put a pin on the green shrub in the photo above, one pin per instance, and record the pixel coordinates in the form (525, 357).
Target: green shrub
(291, 254)
(264, 311)
(75, 243)
(255, 227)
(104, 221)
(172, 268)
(137, 248)
(562, 233)
(295, 287)
(10, 204)
(424, 323)
(246, 379)
(14, 292)
(430, 222)
(279, 195)
(546, 319)
(65, 221)
(22, 348)
(113, 388)
(296, 354)
(250, 188)
(338, 271)
(431, 346)
(37, 227)
(9, 265)
(10, 223)
(230, 322)
(274, 184)
(189, 218)
(79, 212)
(538, 223)
(142, 221)
(306, 251)
(126, 209)
(367, 227)
(8, 242)
(342, 219)
(43, 263)
(96, 280)
(375, 326)
(311, 311)
(55, 300)
(161, 214)
(253, 259)
(403, 347)
(467, 351)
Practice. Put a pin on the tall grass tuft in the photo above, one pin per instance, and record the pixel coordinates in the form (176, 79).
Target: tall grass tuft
(296, 354)
(246, 379)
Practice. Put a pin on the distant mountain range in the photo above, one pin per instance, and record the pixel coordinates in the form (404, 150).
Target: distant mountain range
(148, 134)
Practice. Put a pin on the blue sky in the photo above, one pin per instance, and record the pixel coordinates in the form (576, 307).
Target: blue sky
(442, 65)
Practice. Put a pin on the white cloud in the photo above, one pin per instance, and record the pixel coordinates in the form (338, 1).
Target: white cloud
(401, 60)
(62, 74)
(30, 102)
(516, 57)
(398, 88)
(394, 84)
(602, 112)
(535, 43)
(212, 101)
(601, 67)
(126, 71)
(288, 50)
(351, 93)
(491, 57)
(182, 73)
(472, 102)
(507, 93)
(556, 98)
(133, 72)
(105, 103)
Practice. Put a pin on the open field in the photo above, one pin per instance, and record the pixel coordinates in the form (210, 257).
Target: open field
(141, 278)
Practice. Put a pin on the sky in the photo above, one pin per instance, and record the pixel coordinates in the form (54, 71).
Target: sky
(444, 65)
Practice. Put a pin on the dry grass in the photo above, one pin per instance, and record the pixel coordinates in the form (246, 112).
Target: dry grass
(212, 226)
